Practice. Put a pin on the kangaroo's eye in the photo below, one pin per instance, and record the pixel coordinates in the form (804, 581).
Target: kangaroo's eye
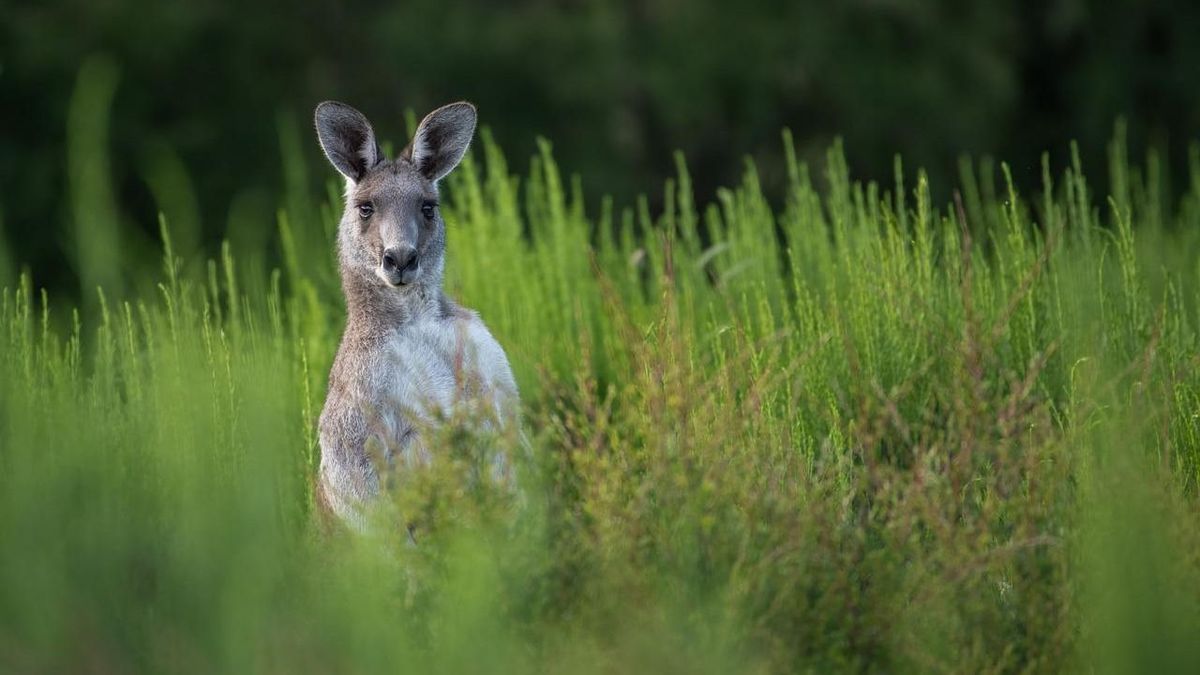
(365, 211)
(427, 210)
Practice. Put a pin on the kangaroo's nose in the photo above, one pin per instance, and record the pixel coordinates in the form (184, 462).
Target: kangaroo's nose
(396, 260)
(400, 264)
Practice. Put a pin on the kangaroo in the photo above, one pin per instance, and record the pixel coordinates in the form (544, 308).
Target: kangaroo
(409, 356)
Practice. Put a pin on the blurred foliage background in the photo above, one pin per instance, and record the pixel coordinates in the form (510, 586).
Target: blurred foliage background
(201, 91)
(820, 425)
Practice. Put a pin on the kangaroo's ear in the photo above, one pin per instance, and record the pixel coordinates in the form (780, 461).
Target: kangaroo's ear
(442, 139)
(347, 139)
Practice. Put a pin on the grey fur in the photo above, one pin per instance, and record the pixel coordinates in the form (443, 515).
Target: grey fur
(442, 139)
(347, 139)
(409, 356)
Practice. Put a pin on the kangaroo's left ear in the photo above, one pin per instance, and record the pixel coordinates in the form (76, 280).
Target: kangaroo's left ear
(442, 139)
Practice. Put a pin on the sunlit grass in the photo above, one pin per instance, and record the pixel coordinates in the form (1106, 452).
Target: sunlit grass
(856, 430)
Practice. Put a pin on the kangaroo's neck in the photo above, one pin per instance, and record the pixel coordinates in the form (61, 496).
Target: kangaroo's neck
(373, 306)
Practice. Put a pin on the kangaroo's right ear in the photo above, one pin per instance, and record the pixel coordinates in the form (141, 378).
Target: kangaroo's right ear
(347, 139)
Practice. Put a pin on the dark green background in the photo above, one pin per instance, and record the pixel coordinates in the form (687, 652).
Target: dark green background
(616, 85)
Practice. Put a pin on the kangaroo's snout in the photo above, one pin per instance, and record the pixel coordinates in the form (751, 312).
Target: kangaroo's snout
(399, 264)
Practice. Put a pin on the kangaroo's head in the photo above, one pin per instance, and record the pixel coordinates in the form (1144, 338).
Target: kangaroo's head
(392, 233)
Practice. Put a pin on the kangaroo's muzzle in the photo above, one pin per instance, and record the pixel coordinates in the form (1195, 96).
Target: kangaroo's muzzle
(400, 265)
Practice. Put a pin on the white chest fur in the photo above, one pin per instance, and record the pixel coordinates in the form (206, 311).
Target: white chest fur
(432, 369)
(391, 396)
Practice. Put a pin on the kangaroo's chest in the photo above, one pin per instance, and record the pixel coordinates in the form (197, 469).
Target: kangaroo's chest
(425, 369)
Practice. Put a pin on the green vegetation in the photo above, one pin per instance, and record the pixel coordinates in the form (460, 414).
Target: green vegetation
(857, 431)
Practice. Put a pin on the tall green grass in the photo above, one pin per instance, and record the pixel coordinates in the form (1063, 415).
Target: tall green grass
(856, 430)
